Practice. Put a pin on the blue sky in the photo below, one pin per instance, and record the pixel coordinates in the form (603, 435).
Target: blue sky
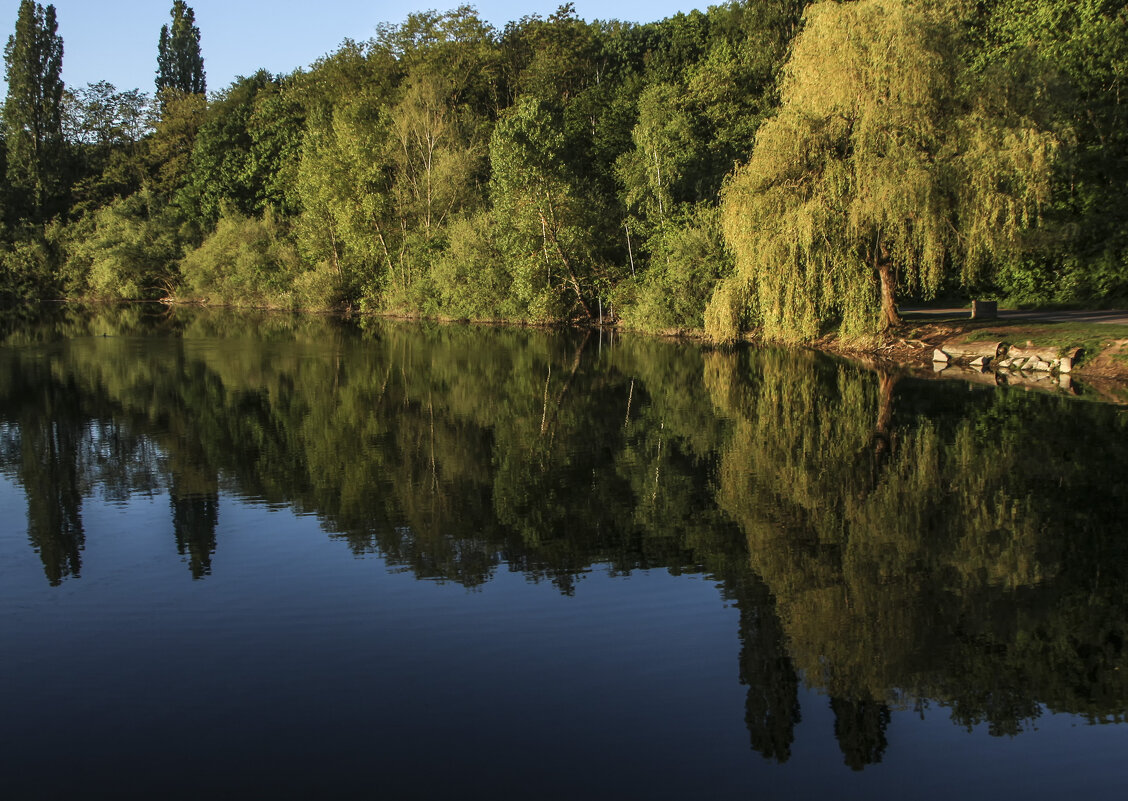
(116, 40)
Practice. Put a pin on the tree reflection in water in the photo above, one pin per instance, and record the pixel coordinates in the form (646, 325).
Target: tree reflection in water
(890, 542)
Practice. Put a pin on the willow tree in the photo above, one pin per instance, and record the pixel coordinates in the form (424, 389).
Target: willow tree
(888, 167)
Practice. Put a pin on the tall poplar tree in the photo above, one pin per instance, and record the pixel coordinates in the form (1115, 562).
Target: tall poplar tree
(179, 63)
(33, 115)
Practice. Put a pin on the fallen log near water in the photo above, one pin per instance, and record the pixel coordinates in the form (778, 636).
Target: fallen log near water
(1003, 356)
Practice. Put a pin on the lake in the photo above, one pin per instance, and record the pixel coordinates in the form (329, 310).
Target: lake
(255, 555)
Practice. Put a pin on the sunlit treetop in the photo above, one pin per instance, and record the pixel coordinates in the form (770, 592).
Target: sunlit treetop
(887, 167)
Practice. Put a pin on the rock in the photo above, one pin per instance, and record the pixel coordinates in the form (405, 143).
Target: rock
(980, 362)
(1041, 366)
(1066, 365)
(1016, 364)
(939, 356)
(1005, 363)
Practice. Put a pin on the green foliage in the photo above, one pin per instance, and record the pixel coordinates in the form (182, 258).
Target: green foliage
(99, 115)
(252, 261)
(277, 127)
(180, 66)
(877, 173)
(687, 257)
(470, 276)
(727, 314)
(5, 188)
(543, 231)
(105, 128)
(169, 149)
(344, 187)
(127, 250)
(435, 160)
(553, 59)
(26, 267)
(663, 147)
(1084, 45)
(33, 108)
(225, 168)
(909, 148)
(732, 88)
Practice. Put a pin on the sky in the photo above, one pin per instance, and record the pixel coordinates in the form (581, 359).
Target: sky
(116, 40)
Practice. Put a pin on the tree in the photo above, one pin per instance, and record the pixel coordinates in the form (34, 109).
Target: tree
(1085, 43)
(664, 145)
(343, 181)
(222, 169)
(887, 167)
(104, 128)
(33, 110)
(179, 63)
(101, 116)
(174, 136)
(435, 164)
(542, 226)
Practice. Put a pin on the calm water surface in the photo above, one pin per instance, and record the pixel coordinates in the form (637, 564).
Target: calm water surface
(259, 556)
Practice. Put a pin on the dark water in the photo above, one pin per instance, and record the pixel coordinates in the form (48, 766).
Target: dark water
(249, 556)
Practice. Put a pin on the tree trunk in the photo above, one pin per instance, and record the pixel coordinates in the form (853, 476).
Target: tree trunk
(550, 234)
(889, 316)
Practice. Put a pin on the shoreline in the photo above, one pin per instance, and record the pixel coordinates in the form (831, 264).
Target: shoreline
(1099, 350)
(1097, 359)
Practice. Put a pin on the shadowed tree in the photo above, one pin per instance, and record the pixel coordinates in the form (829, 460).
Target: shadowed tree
(180, 66)
(859, 727)
(33, 110)
(194, 518)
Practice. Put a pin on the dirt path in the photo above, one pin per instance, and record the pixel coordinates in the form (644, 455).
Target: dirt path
(1110, 316)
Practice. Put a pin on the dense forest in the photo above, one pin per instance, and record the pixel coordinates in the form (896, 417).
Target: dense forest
(769, 163)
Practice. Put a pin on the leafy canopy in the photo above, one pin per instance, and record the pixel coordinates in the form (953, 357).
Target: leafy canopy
(886, 168)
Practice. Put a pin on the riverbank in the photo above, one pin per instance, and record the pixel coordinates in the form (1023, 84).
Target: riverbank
(1095, 342)
(1097, 351)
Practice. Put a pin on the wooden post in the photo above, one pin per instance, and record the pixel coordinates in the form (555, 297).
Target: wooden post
(984, 309)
